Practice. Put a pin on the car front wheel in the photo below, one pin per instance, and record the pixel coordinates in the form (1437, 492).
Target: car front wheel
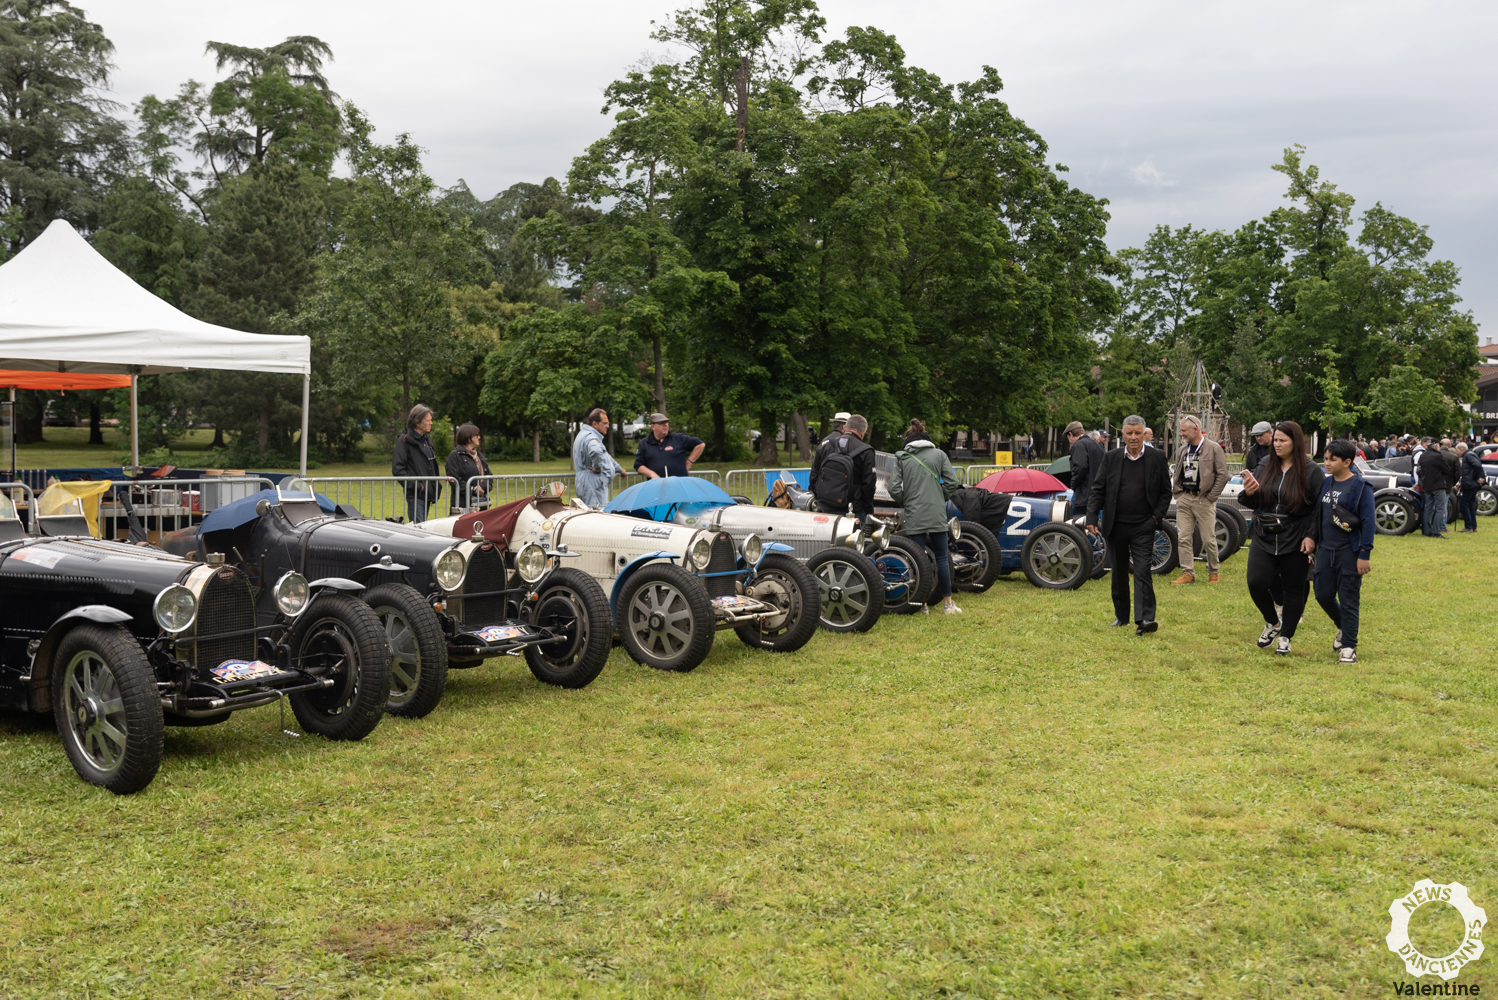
(572, 605)
(418, 649)
(1393, 516)
(1056, 556)
(1487, 501)
(786, 583)
(339, 638)
(852, 589)
(665, 618)
(107, 709)
(909, 575)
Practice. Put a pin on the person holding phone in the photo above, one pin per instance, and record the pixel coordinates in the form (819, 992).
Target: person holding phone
(1283, 493)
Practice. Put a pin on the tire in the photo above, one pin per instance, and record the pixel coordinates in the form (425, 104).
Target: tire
(980, 546)
(1056, 556)
(1099, 555)
(339, 636)
(786, 582)
(570, 603)
(418, 649)
(1233, 511)
(1163, 561)
(682, 602)
(909, 576)
(1487, 501)
(1393, 515)
(852, 589)
(106, 706)
(1229, 540)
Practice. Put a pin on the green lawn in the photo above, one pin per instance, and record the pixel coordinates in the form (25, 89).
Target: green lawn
(1017, 802)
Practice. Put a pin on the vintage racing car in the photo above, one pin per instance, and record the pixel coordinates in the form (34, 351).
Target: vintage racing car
(119, 640)
(442, 602)
(667, 613)
(831, 545)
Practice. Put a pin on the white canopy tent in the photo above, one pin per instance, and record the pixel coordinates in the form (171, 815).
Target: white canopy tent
(64, 308)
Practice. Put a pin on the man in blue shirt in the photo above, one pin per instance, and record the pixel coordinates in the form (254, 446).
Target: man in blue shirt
(1342, 556)
(662, 453)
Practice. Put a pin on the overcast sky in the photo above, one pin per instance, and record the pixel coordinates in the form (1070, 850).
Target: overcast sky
(1173, 111)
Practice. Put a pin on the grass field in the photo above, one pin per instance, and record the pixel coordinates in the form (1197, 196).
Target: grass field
(1019, 802)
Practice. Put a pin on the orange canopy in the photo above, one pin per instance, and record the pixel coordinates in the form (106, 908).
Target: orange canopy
(60, 380)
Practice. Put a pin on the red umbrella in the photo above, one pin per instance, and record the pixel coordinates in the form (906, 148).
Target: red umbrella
(1023, 481)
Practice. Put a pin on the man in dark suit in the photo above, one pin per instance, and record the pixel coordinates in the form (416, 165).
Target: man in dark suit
(1086, 456)
(1131, 489)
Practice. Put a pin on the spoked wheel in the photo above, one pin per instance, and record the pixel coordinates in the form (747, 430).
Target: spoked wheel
(571, 604)
(852, 589)
(1487, 502)
(909, 576)
(1099, 554)
(107, 710)
(1393, 516)
(1056, 556)
(340, 638)
(665, 618)
(786, 583)
(1165, 556)
(980, 551)
(418, 650)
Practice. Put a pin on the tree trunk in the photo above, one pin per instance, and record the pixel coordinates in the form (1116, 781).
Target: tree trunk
(803, 438)
(741, 84)
(660, 374)
(264, 433)
(767, 430)
(218, 438)
(536, 445)
(720, 433)
(95, 430)
(27, 419)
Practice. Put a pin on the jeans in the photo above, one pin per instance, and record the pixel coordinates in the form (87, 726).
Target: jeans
(1435, 512)
(1339, 590)
(1469, 507)
(1195, 512)
(1278, 579)
(936, 541)
(416, 508)
(1133, 542)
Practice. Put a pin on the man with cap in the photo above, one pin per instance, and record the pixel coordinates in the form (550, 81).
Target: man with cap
(664, 453)
(1086, 459)
(1259, 448)
(842, 470)
(838, 424)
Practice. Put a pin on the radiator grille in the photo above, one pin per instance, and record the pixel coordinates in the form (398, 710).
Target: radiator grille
(486, 571)
(723, 560)
(228, 605)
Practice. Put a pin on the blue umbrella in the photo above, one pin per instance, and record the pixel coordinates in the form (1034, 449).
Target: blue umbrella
(242, 511)
(656, 498)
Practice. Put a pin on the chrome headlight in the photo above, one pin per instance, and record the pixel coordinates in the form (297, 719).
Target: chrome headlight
(855, 540)
(954, 528)
(291, 593)
(531, 562)
(175, 608)
(448, 569)
(700, 552)
(751, 549)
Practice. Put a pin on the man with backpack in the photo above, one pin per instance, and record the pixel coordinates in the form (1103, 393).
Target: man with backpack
(842, 471)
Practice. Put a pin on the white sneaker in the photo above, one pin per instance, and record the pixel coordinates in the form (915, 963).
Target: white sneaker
(925, 609)
(1283, 646)
(1267, 637)
(950, 609)
(1337, 640)
(1349, 655)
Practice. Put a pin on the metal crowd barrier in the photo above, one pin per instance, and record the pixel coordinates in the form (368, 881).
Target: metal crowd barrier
(972, 475)
(23, 500)
(386, 497)
(166, 505)
(499, 490)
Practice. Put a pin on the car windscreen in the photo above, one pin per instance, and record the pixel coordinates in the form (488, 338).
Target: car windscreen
(297, 511)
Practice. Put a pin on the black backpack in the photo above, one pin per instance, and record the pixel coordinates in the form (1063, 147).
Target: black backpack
(835, 480)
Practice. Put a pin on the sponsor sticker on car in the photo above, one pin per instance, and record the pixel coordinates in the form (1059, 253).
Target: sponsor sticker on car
(656, 531)
(40, 557)
(733, 602)
(242, 670)
(499, 633)
(820, 519)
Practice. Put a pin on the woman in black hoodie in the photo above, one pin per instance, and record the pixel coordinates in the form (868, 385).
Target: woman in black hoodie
(1284, 492)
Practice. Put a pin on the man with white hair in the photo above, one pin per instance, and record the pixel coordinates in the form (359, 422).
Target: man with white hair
(1201, 472)
(1127, 503)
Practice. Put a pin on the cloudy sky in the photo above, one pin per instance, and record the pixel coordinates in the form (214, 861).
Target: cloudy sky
(1173, 111)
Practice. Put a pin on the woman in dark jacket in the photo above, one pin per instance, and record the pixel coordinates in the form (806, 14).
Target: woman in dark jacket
(465, 462)
(416, 456)
(1284, 492)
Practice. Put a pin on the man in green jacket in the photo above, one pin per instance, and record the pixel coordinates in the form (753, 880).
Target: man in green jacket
(922, 481)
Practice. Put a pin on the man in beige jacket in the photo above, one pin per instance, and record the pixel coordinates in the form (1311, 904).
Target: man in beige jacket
(1201, 473)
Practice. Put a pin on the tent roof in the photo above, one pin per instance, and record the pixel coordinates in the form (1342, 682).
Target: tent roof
(64, 308)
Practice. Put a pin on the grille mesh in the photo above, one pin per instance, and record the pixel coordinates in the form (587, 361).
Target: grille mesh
(227, 606)
(722, 561)
(486, 571)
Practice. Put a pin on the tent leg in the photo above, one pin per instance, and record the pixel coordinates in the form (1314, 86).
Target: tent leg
(134, 421)
(12, 434)
(306, 398)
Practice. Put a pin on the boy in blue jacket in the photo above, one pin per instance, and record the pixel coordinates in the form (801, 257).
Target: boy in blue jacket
(1343, 551)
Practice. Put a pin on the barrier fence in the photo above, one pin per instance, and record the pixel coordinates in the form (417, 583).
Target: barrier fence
(405, 498)
(166, 505)
(491, 491)
(19, 503)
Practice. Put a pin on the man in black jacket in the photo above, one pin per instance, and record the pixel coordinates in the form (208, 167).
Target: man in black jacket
(1131, 490)
(1258, 450)
(854, 479)
(1433, 475)
(415, 455)
(1472, 477)
(1086, 457)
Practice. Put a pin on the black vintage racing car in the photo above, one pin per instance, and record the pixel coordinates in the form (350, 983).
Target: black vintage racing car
(443, 602)
(119, 640)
